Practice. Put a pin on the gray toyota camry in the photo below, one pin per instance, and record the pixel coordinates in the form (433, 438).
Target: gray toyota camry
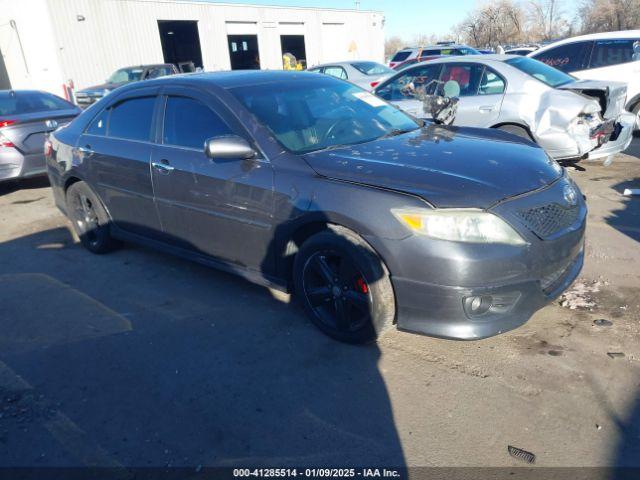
(309, 184)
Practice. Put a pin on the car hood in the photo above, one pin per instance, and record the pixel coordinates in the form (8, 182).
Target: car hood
(450, 167)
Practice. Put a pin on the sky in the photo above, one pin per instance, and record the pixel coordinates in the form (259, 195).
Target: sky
(404, 18)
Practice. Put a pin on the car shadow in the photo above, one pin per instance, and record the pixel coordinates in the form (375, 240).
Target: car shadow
(627, 219)
(138, 358)
(10, 186)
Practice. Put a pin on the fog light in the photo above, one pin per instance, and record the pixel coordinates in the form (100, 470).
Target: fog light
(478, 305)
(497, 304)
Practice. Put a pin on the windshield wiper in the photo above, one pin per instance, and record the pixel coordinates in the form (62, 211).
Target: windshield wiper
(397, 131)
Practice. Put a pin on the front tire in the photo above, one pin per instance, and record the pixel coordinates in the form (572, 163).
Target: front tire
(344, 286)
(89, 219)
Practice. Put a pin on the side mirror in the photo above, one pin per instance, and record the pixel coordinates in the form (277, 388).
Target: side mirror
(230, 147)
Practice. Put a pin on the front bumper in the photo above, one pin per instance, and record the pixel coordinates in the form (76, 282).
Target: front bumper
(438, 311)
(14, 165)
(433, 280)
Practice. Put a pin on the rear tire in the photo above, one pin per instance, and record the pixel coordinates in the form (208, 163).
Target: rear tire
(89, 219)
(516, 130)
(344, 286)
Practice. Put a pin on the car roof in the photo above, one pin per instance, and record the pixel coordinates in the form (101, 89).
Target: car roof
(487, 58)
(150, 65)
(230, 79)
(345, 63)
(594, 36)
(437, 47)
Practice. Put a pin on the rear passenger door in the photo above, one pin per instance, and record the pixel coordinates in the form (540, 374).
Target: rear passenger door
(117, 148)
(481, 91)
(221, 208)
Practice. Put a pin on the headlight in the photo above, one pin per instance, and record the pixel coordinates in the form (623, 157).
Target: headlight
(473, 226)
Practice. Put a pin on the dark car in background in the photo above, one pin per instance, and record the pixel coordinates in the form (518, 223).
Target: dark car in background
(26, 117)
(307, 183)
(122, 76)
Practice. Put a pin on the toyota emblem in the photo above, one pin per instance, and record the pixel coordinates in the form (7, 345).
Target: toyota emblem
(51, 124)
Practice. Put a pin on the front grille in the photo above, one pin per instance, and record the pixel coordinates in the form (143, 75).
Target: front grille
(550, 219)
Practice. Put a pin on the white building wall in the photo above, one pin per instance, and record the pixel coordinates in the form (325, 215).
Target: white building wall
(118, 33)
(28, 46)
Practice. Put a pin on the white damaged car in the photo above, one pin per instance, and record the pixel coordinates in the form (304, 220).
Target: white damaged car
(571, 119)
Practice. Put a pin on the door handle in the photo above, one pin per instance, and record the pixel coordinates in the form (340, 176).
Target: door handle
(163, 166)
(486, 108)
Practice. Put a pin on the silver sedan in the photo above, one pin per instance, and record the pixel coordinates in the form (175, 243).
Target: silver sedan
(364, 74)
(571, 119)
(26, 117)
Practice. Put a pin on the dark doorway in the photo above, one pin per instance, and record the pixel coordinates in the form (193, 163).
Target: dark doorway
(180, 42)
(243, 51)
(5, 83)
(294, 45)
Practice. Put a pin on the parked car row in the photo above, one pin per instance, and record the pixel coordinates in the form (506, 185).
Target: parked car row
(352, 199)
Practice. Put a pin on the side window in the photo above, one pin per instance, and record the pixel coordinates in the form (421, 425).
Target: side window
(337, 72)
(406, 86)
(612, 52)
(461, 78)
(158, 72)
(568, 58)
(99, 124)
(491, 83)
(131, 119)
(189, 122)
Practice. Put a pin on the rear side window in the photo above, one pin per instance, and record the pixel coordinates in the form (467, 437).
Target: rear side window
(567, 58)
(131, 119)
(99, 124)
(189, 123)
(158, 72)
(400, 56)
(337, 72)
(16, 103)
(466, 77)
(612, 52)
(491, 83)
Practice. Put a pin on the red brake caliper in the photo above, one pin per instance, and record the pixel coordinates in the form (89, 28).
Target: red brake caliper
(362, 285)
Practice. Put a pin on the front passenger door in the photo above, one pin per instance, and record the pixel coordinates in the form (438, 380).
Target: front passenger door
(221, 208)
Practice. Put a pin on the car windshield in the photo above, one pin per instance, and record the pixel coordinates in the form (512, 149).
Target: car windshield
(125, 75)
(17, 102)
(371, 68)
(540, 71)
(314, 114)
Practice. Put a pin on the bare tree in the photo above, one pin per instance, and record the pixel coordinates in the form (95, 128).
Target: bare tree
(609, 15)
(392, 45)
(492, 24)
